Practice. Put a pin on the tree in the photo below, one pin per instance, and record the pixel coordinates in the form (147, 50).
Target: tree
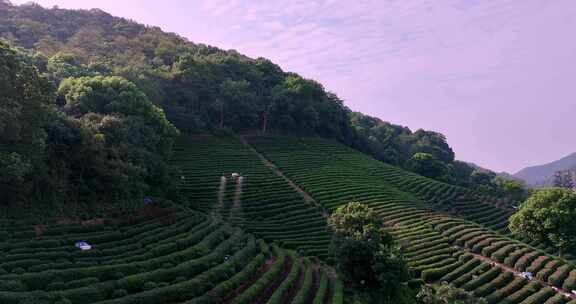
(548, 215)
(238, 108)
(433, 143)
(131, 134)
(25, 105)
(364, 252)
(446, 294)
(63, 65)
(512, 189)
(482, 177)
(461, 172)
(428, 165)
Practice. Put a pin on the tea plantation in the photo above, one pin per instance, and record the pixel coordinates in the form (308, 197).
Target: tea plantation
(462, 242)
(252, 228)
(261, 201)
(174, 256)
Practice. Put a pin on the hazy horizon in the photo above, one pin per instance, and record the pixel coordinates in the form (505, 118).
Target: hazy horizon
(493, 76)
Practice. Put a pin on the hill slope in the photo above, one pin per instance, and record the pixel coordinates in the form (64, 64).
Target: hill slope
(427, 217)
(173, 256)
(201, 87)
(541, 175)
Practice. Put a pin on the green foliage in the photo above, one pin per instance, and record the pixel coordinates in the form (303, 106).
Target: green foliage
(514, 190)
(108, 143)
(364, 253)
(548, 215)
(428, 165)
(24, 109)
(63, 65)
(204, 88)
(237, 104)
(423, 152)
(396, 144)
(488, 182)
(446, 294)
(357, 235)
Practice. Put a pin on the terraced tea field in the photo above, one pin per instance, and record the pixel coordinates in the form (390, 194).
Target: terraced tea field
(469, 252)
(277, 189)
(463, 202)
(178, 257)
(259, 200)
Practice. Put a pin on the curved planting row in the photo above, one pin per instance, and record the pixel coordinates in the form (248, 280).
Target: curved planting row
(332, 182)
(479, 208)
(179, 257)
(257, 199)
(512, 253)
(333, 175)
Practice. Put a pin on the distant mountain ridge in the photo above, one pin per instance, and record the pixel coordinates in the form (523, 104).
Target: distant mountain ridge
(542, 175)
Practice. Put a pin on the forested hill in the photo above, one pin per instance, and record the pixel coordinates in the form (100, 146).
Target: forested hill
(202, 88)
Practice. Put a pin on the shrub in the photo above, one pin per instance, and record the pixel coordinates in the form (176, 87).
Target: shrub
(523, 293)
(548, 270)
(557, 299)
(338, 295)
(570, 282)
(500, 254)
(511, 259)
(288, 283)
(81, 283)
(149, 285)
(36, 298)
(482, 279)
(163, 284)
(255, 289)
(56, 286)
(305, 288)
(119, 293)
(558, 277)
(540, 296)
(434, 274)
(322, 287)
(95, 293)
(12, 286)
(499, 282)
(224, 288)
(180, 279)
(538, 264)
(525, 261)
(465, 268)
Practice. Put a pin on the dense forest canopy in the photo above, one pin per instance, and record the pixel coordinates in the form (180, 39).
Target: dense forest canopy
(106, 146)
(96, 59)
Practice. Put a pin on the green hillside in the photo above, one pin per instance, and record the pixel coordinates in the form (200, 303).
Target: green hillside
(202, 88)
(263, 202)
(441, 246)
(200, 175)
(156, 256)
(285, 188)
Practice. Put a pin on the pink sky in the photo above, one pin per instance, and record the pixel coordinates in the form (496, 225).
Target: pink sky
(497, 77)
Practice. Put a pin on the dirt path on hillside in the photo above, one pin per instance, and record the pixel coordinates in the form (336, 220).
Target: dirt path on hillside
(516, 272)
(307, 198)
